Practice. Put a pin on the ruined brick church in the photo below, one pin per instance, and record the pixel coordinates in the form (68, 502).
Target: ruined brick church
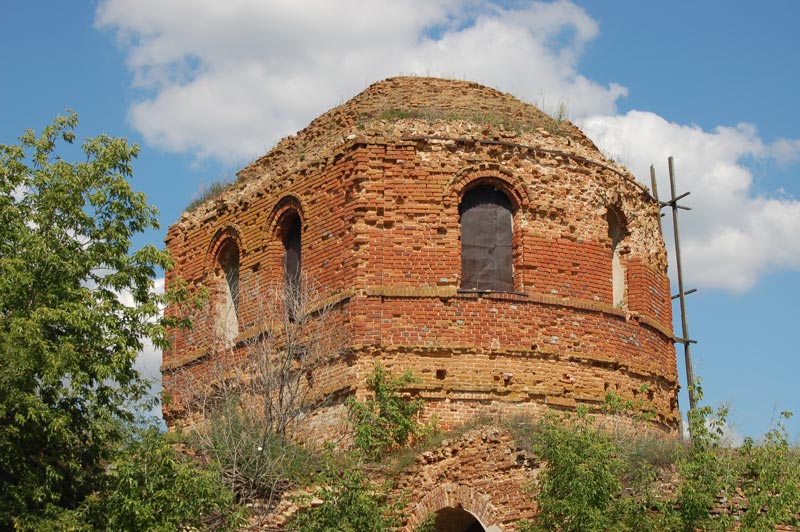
(463, 235)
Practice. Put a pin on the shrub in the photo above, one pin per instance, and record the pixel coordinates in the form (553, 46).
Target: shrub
(387, 420)
(254, 461)
(349, 503)
(771, 480)
(581, 478)
(148, 487)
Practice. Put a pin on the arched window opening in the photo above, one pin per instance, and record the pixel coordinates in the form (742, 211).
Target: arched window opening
(616, 232)
(486, 240)
(292, 260)
(229, 315)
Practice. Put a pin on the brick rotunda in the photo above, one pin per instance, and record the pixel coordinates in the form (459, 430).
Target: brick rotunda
(457, 232)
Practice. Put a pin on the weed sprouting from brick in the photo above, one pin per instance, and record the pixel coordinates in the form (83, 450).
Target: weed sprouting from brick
(209, 192)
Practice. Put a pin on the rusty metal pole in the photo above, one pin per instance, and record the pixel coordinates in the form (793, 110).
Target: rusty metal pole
(687, 354)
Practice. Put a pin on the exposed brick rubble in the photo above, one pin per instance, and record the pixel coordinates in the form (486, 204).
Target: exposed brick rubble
(377, 184)
(484, 472)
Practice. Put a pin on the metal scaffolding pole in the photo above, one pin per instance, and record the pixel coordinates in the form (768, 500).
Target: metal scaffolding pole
(685, 340)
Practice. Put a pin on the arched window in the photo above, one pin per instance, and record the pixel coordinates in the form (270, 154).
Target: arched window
(616, 232)
(292, 264)
(486, 235)
(292, 240)
(228, 262)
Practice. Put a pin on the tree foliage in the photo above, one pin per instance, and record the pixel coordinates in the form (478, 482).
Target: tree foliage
(68, 341)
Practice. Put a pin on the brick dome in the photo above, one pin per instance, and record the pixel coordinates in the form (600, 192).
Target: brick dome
(462, 234)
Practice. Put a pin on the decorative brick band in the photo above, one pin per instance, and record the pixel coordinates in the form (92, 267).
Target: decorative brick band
(449, 291)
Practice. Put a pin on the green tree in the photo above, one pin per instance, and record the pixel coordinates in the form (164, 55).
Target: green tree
(67, 341)
(151, 487)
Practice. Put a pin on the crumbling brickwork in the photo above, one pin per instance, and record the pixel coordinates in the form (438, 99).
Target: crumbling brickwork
(483, 473)
(377, 184)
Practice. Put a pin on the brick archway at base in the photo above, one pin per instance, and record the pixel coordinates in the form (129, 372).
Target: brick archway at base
(452, 495)
(484, 472)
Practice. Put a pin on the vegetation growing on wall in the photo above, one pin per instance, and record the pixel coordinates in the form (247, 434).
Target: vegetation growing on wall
(518, 124)
(387, 420)
(209, 192)
(383, 423)
(347, 501)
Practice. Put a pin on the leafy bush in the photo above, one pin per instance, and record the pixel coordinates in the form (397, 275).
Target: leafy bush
(349, 503)
(152, 487)
(705, 470)
(387, 420)
(595, 481)
(581, 479)
(148, 487)
(771, 480)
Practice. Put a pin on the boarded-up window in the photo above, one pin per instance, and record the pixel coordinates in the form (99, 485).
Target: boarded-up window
(291, 242)
(486, 235)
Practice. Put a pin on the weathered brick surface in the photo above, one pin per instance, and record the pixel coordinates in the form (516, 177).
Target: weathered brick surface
(377, 184)
(483, 472)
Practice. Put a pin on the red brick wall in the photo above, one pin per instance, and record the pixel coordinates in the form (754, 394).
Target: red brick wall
(381, 229)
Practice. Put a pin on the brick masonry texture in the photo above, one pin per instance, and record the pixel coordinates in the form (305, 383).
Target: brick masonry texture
(481, 472)
(377, 184)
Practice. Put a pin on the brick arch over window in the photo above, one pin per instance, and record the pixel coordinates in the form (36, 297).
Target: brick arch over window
(453, 495)
(285, 206)
(286, 224)
(487, 234)
(220, 239)
(510, 184)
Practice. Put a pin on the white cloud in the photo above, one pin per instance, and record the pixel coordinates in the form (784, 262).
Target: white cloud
(732, 235)
(227, 80)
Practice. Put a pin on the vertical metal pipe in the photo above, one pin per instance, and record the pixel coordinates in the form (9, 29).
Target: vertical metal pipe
(687, 354)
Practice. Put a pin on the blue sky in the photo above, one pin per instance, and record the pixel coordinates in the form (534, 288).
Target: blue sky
(205, 86)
